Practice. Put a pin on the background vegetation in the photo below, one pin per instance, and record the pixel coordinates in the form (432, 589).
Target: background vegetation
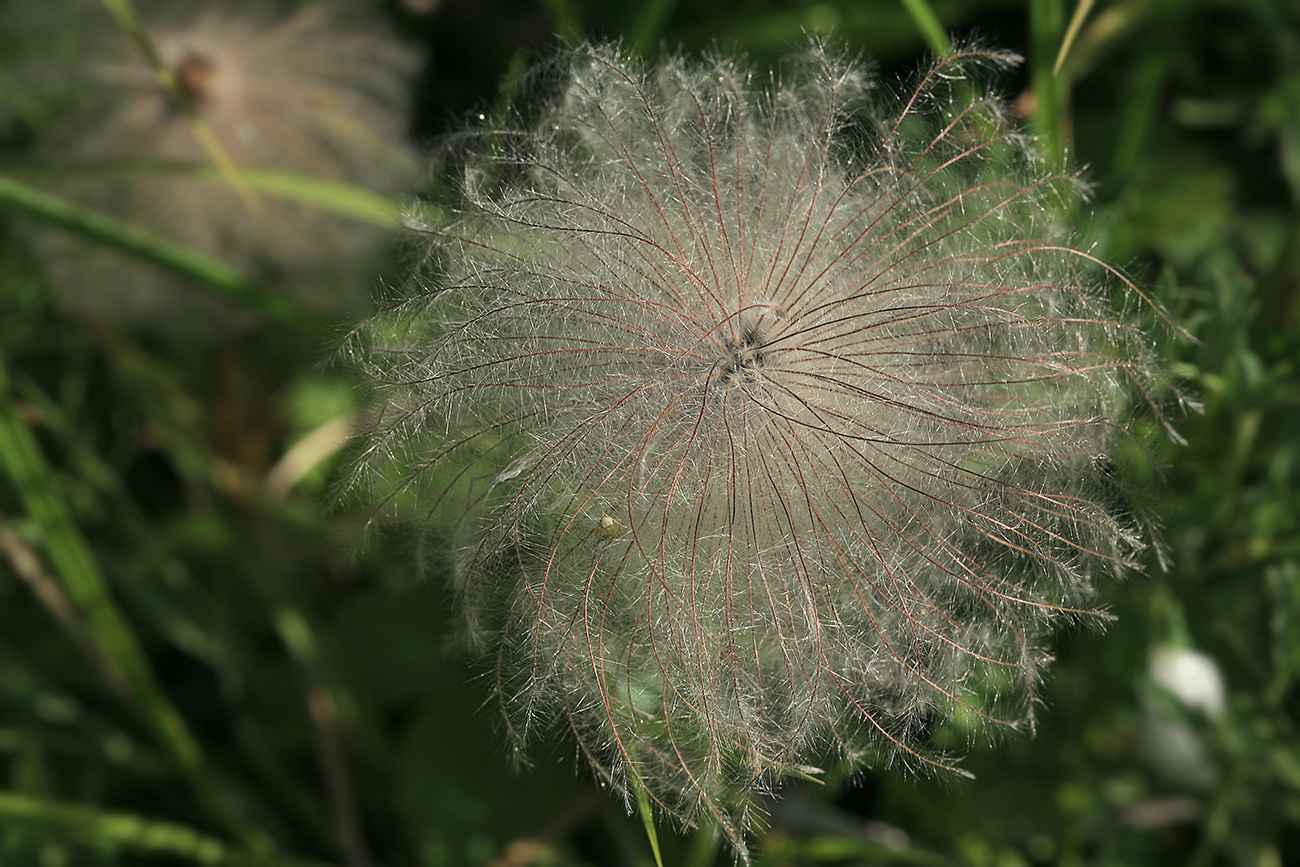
(198, 665)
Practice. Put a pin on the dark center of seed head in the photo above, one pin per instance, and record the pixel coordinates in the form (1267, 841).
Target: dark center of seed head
(743, 354)
(194, 74)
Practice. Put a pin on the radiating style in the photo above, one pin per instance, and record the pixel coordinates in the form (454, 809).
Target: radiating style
(774, 415)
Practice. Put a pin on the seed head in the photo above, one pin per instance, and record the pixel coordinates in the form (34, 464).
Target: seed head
(776, 416)
(314, 92)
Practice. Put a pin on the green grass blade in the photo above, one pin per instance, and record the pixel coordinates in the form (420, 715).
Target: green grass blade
(325, 706)
(326, 195)
(32, 480)
(928, 23)
(201, 270)
(126, 832)
(336, 197)
(1072, 33)
(1051, 119)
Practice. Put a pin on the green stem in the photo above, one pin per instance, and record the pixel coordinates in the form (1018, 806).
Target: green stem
(647, 817)
(1051, 117)
(96, 226)
(324, 194)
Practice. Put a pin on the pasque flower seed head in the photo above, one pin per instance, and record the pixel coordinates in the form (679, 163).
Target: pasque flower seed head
(775, 415)
(319, 90)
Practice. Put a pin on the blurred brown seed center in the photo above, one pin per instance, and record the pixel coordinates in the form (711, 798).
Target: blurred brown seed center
(195, 73)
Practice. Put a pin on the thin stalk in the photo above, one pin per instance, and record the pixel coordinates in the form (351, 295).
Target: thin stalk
(1072, 33)
(1051, 118)
(205, 272)
(323, 194)
(124, 12)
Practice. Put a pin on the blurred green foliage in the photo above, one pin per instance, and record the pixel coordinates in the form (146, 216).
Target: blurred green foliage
(199, 665)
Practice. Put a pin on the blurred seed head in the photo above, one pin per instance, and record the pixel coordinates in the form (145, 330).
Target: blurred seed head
(320, 91)
(773, 415)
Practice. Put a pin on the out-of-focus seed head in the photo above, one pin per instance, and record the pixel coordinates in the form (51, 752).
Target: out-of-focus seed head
(774, 414)
(318, 91)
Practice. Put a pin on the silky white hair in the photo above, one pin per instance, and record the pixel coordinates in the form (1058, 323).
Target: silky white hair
(775, 415)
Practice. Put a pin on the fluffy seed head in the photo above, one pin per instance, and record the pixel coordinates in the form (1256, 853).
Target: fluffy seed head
(314, 92)
(775, 414)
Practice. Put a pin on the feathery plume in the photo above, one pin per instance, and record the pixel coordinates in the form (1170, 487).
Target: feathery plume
(774, 417)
